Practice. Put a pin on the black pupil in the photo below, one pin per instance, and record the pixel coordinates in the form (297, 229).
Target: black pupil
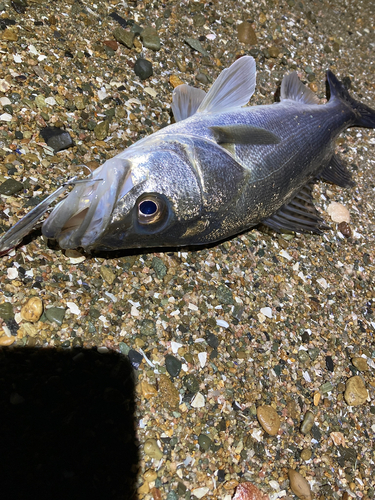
(148, 207)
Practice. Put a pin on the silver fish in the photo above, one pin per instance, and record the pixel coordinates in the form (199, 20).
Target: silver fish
(220, 169)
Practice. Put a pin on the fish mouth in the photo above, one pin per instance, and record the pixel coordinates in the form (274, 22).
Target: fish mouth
(80, 219)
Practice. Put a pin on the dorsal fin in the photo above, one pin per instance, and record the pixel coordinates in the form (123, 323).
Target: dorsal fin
(233, 87)
(292, 88)
(185, 101)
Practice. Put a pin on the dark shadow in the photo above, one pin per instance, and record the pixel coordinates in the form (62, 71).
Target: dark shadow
(67, 425)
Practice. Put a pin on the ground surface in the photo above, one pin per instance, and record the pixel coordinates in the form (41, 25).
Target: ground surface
(259, 320)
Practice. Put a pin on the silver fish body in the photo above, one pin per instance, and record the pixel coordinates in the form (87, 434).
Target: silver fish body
(220, 169)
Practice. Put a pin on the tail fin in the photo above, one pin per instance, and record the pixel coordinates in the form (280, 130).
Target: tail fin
(364, 115)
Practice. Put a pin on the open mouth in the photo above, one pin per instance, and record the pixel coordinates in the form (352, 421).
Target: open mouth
(80, 219)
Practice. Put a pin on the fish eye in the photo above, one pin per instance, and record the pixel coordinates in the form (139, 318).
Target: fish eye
(151, 208)
(147, 207)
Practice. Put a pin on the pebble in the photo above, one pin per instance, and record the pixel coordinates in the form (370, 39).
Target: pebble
(56, 138)
(248, 491)
(135, 358)
(147, 327)
(5, 340)
(204, 442)
(355, 391)
(143, 68)
(55, 315)
(152, 449)
(198, 401)
(191, 383)
(299, 485)
(173, 365)
(32, 310)
(147, 390)
(268, 419)
(150, 475)
(107, 275)
(123, 36)
(150, 38)
(101, 130)
(338, 212)
(224, 295)
(345, 229)
(306, 454)
(308, 422)
(6, 311)
(196, 45)
(246, 33)
(168, 394)
(274, 51)
(9, 35)
(199, 20)
(159, 267)
(10, 186)
(360, 363)
(175, 81)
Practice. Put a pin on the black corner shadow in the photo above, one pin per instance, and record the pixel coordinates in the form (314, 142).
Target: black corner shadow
(67, 425)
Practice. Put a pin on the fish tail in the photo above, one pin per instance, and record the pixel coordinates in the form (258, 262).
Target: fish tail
(364, 116)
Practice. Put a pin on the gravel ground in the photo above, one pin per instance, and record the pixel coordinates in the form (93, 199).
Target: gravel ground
(253, 358)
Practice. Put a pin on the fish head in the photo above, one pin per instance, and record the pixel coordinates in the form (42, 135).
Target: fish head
(148, 198)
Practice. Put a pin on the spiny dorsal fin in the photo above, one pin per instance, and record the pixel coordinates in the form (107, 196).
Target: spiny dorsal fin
(233, 87)
(292, 88)
(244, 134)
(298, 215)
(185, 101)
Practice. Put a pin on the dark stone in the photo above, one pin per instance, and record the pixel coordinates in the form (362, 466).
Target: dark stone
(13, 326)
(191, 383)
(173, 365)
(56, 138)
(316, 434)
(221, 475)
(135, 358)
(212, 340)
(4, 23)
(143, 68)
(19, 6)
(224, 295)
(159, 267)
(55, 314)
(10, 186)
(329, 363)
(204, 442)
(122, 22)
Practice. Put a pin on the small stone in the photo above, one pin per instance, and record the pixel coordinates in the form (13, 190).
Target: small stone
(148, 327)
(246, 33)
(306, 454)
(125, 37)
(338, 212)
(268, 419)
(147, 390)
(101, 130)
(191, 383)
(248, 491)
(299, 485)
(32, 310)
(150, 38)
(6, 311)
(107, 275)
(200, 492)
(199, 20)
(79, 102)
(308, 422)
(274, 51)
(212, 340)
(204, 442)
(224, 295)
(143, 68)
(345, 229)
(175, 81)
(5, 340)
(150, 475)
(152, 449)
(10, 186)
(198, 401)
(159, 267)
(196, 45)
(55, 315)
(112, 44)
(169, 395)
(355, 393)
(56, 138)
(135, 358)
(173, 365)
(9, 35)
(360, 363)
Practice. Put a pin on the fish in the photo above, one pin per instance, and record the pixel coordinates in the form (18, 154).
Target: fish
(222, 168)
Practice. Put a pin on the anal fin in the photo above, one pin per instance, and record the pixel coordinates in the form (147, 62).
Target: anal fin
(337, 173)
(298, 215)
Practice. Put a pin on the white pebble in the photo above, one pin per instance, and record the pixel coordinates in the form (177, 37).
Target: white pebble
(51, 101)
(73, 308)
(4, 85)
(323, 283)
(12, 273)
(175, 346)
(134, 311)
(198, 401)
(4, 101)
(221, 322)
(200, 492)
(17, 58)
(267, 311)
(338, 212)
(192, 307)
(285, 254)
(5, 117)
(202, 356)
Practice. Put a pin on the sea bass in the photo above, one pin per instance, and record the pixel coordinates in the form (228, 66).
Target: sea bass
(220, 169)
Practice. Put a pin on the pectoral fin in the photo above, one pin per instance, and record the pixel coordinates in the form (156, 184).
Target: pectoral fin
(337, 173)
(298, 215)
(244, 134)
